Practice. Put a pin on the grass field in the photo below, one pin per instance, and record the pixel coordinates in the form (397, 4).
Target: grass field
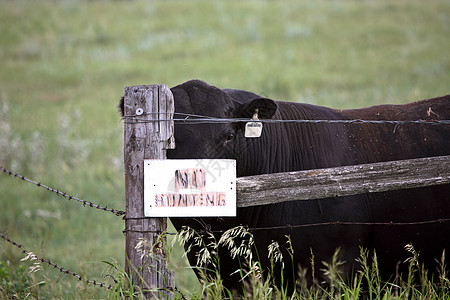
(64, 65)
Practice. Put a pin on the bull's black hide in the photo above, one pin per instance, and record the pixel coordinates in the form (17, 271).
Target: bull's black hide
(292, 146)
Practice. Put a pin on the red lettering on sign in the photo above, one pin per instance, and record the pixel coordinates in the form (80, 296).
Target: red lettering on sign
(193, 179)
(188, 200)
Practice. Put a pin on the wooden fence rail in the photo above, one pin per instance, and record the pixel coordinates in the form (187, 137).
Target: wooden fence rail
(342, 181)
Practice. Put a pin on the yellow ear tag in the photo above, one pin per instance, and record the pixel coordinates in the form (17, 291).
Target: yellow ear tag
(253, 129)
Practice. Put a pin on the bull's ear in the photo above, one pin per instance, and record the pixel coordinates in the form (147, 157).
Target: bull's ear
(266, 108)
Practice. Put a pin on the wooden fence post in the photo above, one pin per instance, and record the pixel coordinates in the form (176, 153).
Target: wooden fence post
(146, 140)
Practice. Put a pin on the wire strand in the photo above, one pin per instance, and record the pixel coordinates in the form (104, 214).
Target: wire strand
(207, 228)
(58, 192)
(200, 119)
(50, 263)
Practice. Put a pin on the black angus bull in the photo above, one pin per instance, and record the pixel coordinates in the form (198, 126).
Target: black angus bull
(285, 147)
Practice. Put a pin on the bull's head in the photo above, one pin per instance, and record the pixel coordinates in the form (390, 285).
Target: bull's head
(218, 140)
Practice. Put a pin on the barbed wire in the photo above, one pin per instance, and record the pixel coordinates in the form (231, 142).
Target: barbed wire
(52, 264)
(65, 195)
(200, 119)
(288, 226)
(207, 227)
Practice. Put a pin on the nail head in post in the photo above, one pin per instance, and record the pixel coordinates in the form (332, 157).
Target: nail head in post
(139, 111)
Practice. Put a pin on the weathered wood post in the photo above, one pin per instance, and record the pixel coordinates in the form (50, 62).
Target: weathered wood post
(146, 140)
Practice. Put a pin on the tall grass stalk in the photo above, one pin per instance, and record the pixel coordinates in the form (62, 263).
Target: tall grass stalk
(124, 284)
(127, 284)
(366, 283)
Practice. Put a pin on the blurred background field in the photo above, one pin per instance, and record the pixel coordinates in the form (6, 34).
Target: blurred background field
(64, 65)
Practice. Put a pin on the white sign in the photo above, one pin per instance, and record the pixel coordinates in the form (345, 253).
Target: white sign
(189, 187)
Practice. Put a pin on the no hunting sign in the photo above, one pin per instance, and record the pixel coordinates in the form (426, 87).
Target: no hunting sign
(190, 188)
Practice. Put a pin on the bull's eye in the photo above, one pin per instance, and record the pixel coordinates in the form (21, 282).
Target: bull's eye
(230, 136)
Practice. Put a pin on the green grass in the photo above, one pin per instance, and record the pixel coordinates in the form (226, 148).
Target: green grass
(64, 65)
(366, 283)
